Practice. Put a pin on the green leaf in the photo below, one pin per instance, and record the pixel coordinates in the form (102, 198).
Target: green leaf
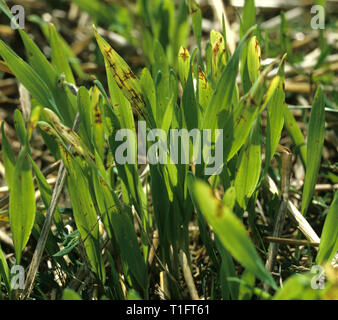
(7, 157)
(222, 96)
(69, 294)
(130, 250)
(62, 98)
(148, 88)
(248, 166)
(315, 143)
(246, 290)
(295, 133)
(231, 232)
(196, 17)
(83, 102)
(59, 57)
(84, 212)
(97, 123)
(183, 65)
(218, 53)
(298, 287)
(204, 89)
(275, 123)
(329, 239)
(4, 271)
(133, 295)
(22, 203)
(237, 126)
(189, 104)
(160, 70)
(254, 59)
(124, 77)
(27, 76)
(248, 16)
(20, 128)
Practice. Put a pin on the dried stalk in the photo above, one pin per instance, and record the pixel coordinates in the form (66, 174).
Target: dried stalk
(188, 276)
(292, 241)
(296, 216)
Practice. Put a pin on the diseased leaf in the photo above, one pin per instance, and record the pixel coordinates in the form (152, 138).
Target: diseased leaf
(218, 53)
(204, 89)
(222, 96)
(183, 65)
(254, 59)
(124, 77)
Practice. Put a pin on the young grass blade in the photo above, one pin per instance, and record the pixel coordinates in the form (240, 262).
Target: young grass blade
(315, 143)
(218, 54)
(19, 125)
(249, 166)
(189, 105)
(230, 231)
(69, 294)
(22, 203)
(84, 213)
(183, 65)
(58, 55)
(254, 59)
(248, 16)
(196, 17)
(204, 89)
(295, 133)
(27, 76)
(7, 157)
(222, 96)
(275, 123)
(148, 88)
(160, 72)
(329, 240)
(4, 271)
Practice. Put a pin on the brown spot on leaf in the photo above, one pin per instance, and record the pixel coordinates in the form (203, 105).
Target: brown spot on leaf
(185, 54)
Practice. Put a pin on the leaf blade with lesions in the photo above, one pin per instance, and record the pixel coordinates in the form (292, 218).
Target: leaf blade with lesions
(123, 76)
(222, 96)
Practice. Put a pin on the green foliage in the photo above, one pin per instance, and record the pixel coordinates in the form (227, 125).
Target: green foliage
(116, 208)
(329, 239)
(314, 147)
